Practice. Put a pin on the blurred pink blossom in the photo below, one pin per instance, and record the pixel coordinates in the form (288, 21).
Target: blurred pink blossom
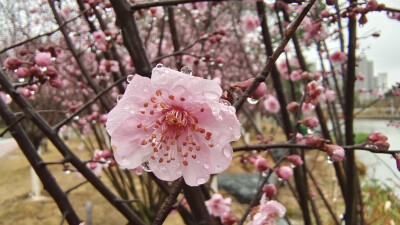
(218, 206)
(42, 58)
(271, 104)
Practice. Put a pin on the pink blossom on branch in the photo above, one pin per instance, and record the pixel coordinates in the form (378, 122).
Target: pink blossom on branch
(175, 123)
(42, 58)
(338, 57)
(218, 206)
(335, 152)
(271, 104)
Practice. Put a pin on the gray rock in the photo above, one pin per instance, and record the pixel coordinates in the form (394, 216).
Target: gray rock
(242, 186)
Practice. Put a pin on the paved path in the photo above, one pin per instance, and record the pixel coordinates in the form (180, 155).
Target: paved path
(7, 146)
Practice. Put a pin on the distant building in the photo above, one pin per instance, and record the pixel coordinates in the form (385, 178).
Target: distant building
(377, 83)
(382, 82)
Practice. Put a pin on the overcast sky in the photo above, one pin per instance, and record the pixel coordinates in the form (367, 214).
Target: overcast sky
(385, 50)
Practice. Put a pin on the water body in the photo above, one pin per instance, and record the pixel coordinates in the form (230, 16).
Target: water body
(380, 166)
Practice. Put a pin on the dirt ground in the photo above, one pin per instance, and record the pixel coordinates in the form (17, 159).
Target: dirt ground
(16, 207)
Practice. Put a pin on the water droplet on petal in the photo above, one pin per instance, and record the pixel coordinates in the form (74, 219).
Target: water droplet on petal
(210, 94)
(218, 168)
(124, 161)
(179, 90)
(163, 168)
(329, 160)
(125, 107)
(159, 66)
(227, 152)
(146, 167)
(67, 171)
(179, 172)
(292, 165)
(225, 102)
(119, 97)
(206, 166)
(252, 101)
(186, 70)
(130, 78)
(132, 111)
(201, 180)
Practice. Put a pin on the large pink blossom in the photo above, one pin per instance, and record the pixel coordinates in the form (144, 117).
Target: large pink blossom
(218, 206)
(176, 124)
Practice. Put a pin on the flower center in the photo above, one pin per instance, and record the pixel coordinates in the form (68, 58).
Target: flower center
(174, 131)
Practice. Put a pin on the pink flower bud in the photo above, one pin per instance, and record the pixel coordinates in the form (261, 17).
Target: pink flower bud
(103, 118)
(295, 160)
(376, 136)
(51, 72)
(23, 72)
(55, 82)
(106, 154)
(261, 164)
(92, 165)
(25, 92)
(269, 190)
(292, 107)
(382, 145)
(314, 141)
(42, 58)
(324, 14)
(310, 122)
(284, 172)
(12, 63)
(228, 219)
(335, 152)
(35, 71)
(260, 91)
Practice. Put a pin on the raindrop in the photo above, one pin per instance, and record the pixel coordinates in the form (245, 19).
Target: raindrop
(206, 166)
(163, 168)
(210, 94)
(220, 65)
(146, 167)
(310, 131)
(126, 107)
(130, 78)
(225, 102)
(292, 165)
(264, 174)
(119, 97)
(329, 160)
(201, 180)
(280, 179)
(91, 18)
(21, 79)
(218, 168)
(179, 172)
(67, 171)
(179, 90)
(186, 70)
(227, 152)
(132, 111)
(159, 66)
(252, 101)
(212, 63)
(108, 38)
(124, 161)
(76, 118)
